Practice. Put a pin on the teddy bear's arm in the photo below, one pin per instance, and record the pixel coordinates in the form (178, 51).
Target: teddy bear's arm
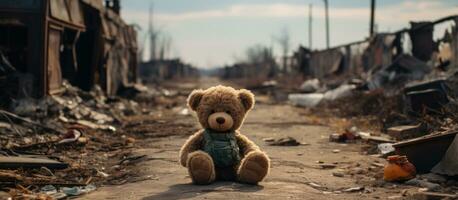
(245, 144)
(192, 144)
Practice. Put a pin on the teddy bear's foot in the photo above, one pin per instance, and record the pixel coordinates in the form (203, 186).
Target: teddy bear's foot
(253, 168)
(201, 168)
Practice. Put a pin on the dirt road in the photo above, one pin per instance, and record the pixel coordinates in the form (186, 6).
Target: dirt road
(298, 172)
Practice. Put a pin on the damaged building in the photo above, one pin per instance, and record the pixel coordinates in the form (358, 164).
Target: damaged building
(166, 69)
(418, 50)
(43, 42)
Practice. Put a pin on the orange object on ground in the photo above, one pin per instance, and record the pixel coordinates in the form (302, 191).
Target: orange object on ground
(398, 169)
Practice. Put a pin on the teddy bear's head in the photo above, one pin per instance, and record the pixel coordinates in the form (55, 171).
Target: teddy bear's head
(221, 108)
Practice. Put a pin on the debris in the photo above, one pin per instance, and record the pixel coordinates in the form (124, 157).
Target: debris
(287, 141)
(386, 149)
(354, 189)
(377, 139)
(425, 184)
(402, 69)
(398, 169)
(327, 166)
(433, 196)
(310, 86)
(435, 146)
(340, 92)
(268, 139)
(347, 136)
(405, 132)
(78, 190)
(14, 117)
(336, 151)
(5, 125)
(48, 189)
(72, 135)
(96, 126)
(434, 178)
(305, 100)
(30, 162)
(431, 95)
(449, 163)
(338, 174)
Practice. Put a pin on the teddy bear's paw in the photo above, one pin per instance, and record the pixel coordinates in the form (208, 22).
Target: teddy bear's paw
(201, 168)
(254, 168)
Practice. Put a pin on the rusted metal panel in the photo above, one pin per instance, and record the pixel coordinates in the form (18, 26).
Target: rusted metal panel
(54, 68)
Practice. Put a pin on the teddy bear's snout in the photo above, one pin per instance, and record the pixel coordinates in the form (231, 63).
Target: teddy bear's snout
(220, 120)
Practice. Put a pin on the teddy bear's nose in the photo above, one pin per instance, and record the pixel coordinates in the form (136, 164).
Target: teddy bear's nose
(220, 120)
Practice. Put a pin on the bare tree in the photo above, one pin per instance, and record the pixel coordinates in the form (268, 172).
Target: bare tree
(284, 40)
(258, 54)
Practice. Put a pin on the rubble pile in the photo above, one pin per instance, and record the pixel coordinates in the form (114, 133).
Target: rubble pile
(67, 145)
(406, 98)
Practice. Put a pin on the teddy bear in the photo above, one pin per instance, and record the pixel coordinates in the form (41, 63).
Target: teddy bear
(219, 151)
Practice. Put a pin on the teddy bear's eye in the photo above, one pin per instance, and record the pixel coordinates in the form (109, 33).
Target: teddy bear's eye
(228, 112)
(212, 111)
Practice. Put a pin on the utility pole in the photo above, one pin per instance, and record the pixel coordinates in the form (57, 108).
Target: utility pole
(152, 34)
(326, 13)
(372, 23)
(310, 27)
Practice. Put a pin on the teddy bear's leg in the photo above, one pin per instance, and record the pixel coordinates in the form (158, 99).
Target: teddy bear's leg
(253, 168)
(201, 168)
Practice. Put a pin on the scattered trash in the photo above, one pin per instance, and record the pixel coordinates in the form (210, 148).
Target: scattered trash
(77, 191)
(268, 139)
(435, 146)
(30, 162)
(287, 141)
(310, 86)
(434, 178)
(306, 100)
(72, 135)
(424, 184)
(354, 189)
(338, 174)
(340, 92)
(406, 132)
(386, 149)
(432, 95)
(347, 136)
(433, 195)
(449, 162)
(398, 169)
(327, 166)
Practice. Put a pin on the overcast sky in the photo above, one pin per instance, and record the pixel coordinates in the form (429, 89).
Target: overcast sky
(210, 33)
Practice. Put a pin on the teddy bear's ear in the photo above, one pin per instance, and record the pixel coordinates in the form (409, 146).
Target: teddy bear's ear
(247, 99)
(194, 99)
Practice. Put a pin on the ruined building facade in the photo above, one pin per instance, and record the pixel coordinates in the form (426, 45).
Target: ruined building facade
(82, 41)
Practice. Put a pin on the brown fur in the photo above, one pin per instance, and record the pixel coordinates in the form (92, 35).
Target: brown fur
(254, 165)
